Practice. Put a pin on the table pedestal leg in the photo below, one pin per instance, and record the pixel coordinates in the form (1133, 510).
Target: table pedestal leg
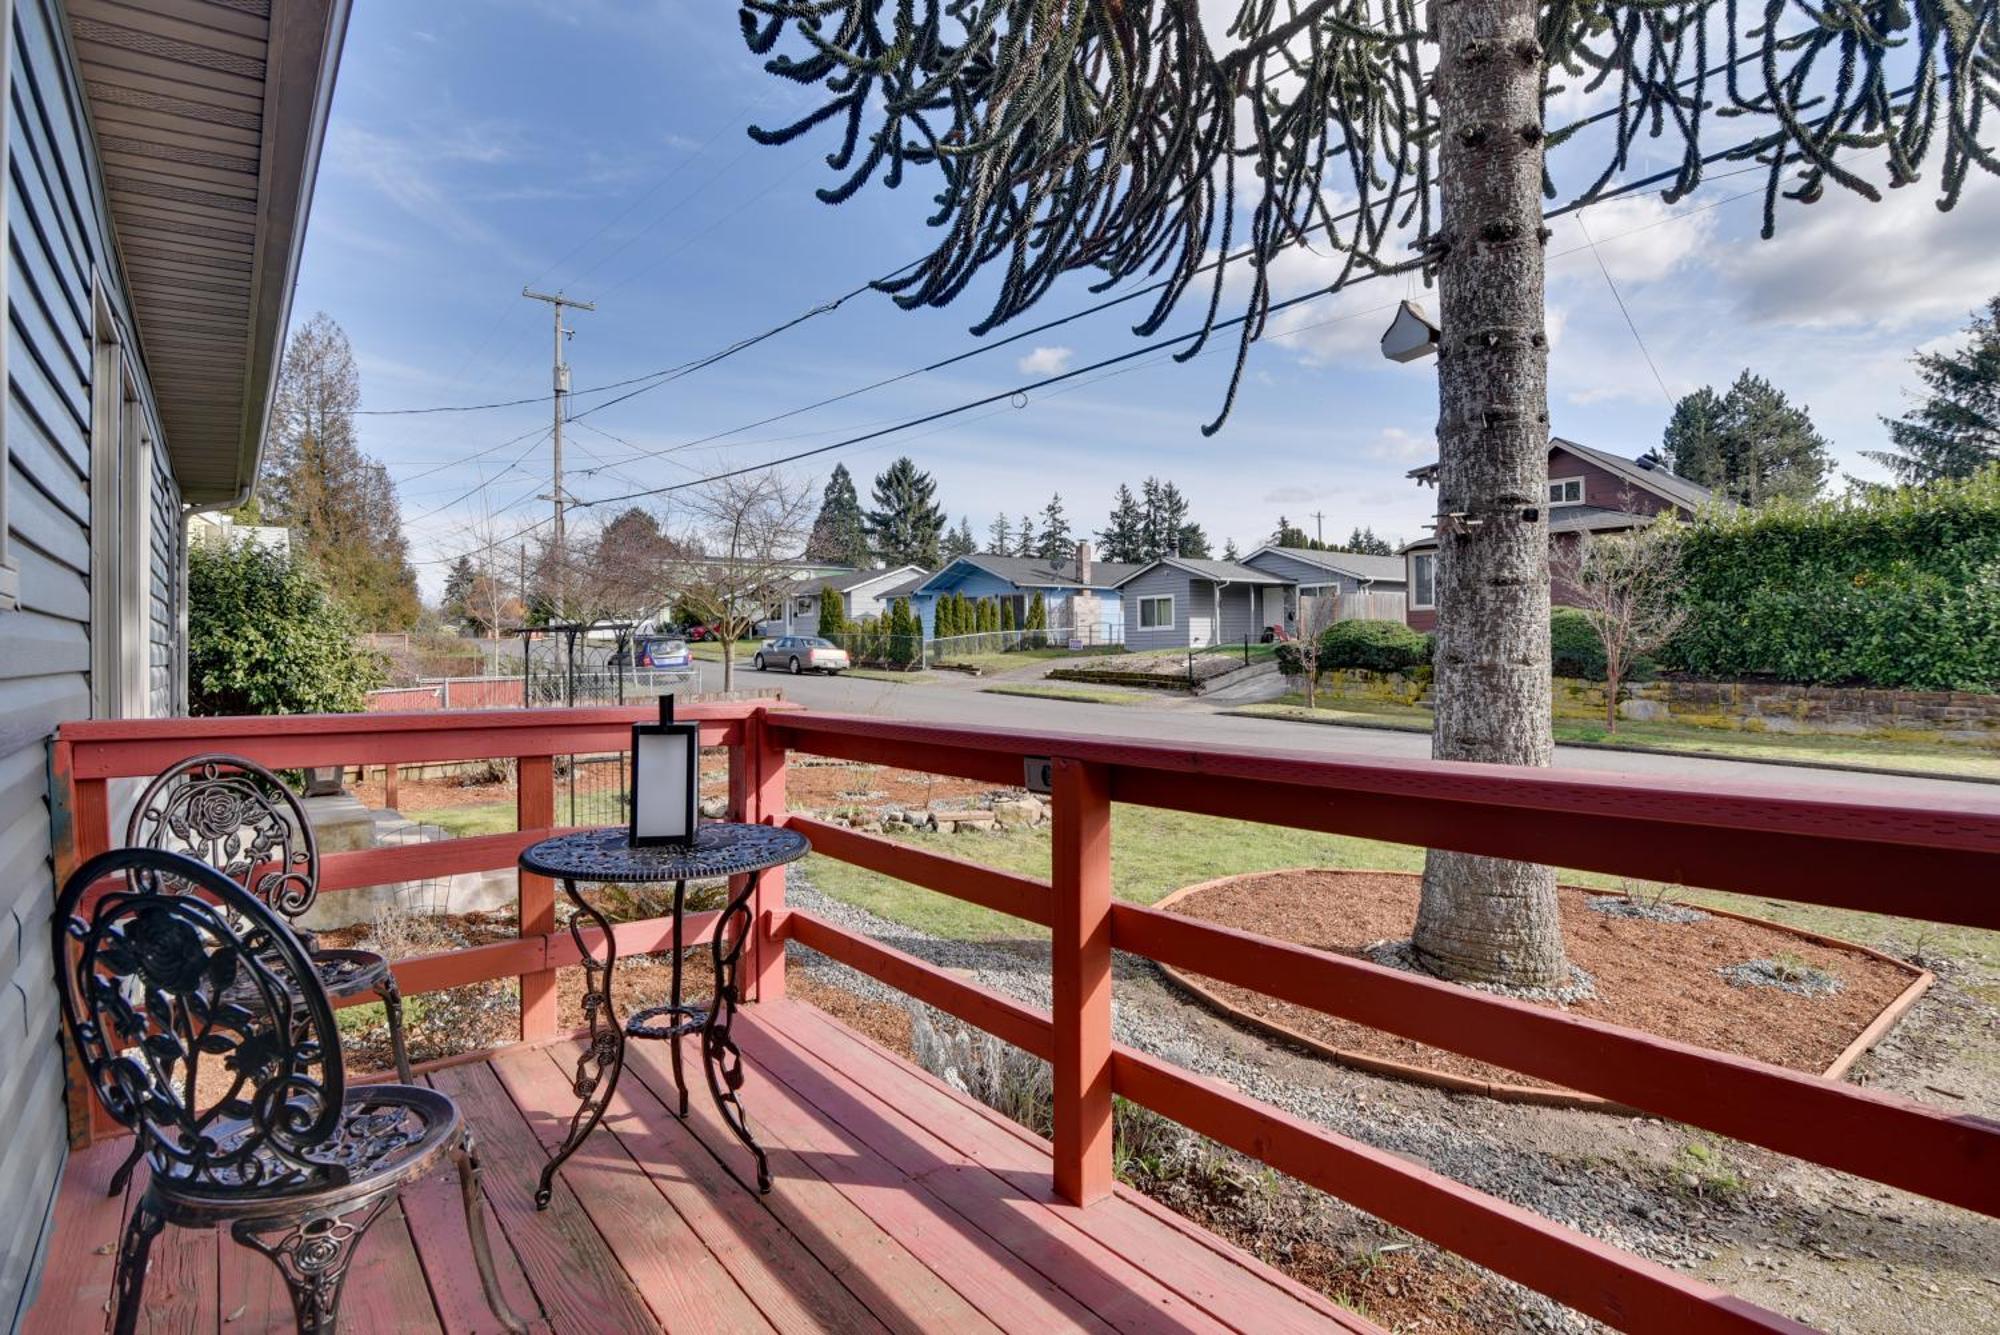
(674, 1016)
(721, 1060)
(603, 1057)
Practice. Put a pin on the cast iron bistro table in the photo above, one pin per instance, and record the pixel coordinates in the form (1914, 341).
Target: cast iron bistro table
(598, 856)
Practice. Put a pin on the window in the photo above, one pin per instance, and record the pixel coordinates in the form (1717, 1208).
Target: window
(1156, 613)
(1565, 491)
(1423, 579)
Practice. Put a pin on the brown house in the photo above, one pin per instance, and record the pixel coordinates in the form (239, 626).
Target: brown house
(1589, 492)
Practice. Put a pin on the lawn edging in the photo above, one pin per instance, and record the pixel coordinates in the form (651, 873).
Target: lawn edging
(1537, 1095)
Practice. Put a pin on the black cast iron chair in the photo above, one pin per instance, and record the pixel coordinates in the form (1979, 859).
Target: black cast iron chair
(202, 1025)
(243, 820)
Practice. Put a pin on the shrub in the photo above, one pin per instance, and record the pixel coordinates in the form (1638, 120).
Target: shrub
(1574, 647)
(1374, 646)
(1890, 587)
(832, 614)
(266, 637)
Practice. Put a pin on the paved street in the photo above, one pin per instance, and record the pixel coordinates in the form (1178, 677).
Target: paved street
(959, 700)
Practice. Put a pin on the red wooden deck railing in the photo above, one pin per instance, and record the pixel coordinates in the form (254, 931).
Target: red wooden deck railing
(1940, 861)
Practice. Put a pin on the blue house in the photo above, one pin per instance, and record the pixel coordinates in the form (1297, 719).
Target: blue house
(1079, 596)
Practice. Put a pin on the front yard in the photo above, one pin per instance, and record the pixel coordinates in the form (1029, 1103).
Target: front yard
(1797, 748)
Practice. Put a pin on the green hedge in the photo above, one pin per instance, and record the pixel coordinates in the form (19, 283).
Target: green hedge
(1575, 648)
(1892, 588)
(1375, 646)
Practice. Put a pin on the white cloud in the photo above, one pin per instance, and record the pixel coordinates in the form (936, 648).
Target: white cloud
(1639, 237)
(1046, 361)
(1400, 446)
(1289, 495)
(1847, 261)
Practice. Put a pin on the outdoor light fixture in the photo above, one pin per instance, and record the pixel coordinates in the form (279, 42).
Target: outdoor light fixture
(1410, 335)
(664, 782)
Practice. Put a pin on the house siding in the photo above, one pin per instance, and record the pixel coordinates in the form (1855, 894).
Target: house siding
(57, 239)
(1102, 621)
(1193, 613)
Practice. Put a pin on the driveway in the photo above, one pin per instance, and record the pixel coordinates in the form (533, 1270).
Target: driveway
(1181, 720)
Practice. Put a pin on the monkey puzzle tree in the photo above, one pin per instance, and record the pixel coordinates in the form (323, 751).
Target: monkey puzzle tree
(1137, 137)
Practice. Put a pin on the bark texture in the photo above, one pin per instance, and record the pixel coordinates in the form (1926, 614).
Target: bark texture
(1485, 919)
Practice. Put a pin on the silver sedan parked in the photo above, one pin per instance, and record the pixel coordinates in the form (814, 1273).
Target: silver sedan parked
(801, 653)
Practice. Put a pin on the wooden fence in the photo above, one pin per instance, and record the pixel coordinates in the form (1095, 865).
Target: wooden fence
(1939, 861)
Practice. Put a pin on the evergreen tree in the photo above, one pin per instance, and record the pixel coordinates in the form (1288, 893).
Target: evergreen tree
(1057, 544)
(1750, 445)
(906, 523)
(459, 586)
(1007, 614)
(1038, 613)
(1955, 431)
(1123, 538)
(1364, 542)
(1025, 543)
(1152, 530)
(1193, 542)
(959, 542)
(989, 615)
(1000, 537)
(832, 614)
(840, 532)
(338, 502)
(1229, 552)
(1288, 534)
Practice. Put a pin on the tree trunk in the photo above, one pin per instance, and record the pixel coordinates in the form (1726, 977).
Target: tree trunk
(728, 661)
(1612, 677)
(1485, 919)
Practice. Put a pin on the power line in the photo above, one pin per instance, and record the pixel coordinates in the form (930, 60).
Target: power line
(1624, 311)
(1022, 390)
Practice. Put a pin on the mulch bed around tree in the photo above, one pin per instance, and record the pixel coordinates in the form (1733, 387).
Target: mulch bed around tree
(1658, 977)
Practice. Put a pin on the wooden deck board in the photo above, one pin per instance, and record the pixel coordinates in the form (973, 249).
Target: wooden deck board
(900, 1290)
(897, 1205)
(672, 1267)
(88, 1226)
(1098, 1279)
(1213, 1274)
(791, 1286)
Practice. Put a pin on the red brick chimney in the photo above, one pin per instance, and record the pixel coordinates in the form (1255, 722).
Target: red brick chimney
(1083, 563)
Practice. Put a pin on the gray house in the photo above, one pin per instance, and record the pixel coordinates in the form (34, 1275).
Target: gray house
(1364, 586)
(161, 160)
(1180, 602)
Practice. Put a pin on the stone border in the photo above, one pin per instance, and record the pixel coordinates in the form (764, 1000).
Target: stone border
(1547, 1096)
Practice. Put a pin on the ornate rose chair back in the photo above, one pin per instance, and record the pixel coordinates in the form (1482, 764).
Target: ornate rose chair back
(201, 1024)
(239, 818)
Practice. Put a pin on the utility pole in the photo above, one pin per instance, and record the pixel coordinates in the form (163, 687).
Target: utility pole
(561, 378)
(1318, 518)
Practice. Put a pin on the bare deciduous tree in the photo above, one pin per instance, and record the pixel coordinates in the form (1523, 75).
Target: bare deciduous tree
(740, 553)
(1316, 616)
(1629, 586)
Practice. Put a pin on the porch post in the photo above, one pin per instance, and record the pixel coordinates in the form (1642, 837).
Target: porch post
(1080, 965)
(535, 809)
(757, 796)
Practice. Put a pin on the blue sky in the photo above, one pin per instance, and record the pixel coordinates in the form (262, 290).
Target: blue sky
(597, 146)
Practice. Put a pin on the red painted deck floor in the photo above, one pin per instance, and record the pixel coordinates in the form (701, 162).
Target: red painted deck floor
(897, 1204)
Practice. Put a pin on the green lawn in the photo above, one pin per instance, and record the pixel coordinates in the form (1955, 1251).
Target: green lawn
(1085, 695)
(479, 818)
(1936, 757)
